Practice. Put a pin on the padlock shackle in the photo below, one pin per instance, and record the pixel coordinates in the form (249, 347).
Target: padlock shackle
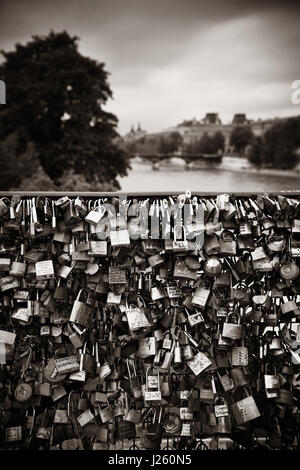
(128, 368)
(219, 399)
(175, 234)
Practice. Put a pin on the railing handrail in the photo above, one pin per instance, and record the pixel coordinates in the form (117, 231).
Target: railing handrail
(289, 193)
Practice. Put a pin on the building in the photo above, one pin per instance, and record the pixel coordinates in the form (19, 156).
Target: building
(260, 126)
(134, 134)
(193, 130)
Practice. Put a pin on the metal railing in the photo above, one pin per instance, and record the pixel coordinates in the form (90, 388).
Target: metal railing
(146, 193)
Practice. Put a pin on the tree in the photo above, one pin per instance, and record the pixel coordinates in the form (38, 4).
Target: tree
(174, 142)
(15, 166)
(207, 144)
(240, 137)
(281, 142)
(277, 148)
(254, 152)
(169, 144)
(149, 145)
(55, 99)
(218, 142)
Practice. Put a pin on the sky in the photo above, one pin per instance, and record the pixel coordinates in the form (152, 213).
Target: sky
(171, 60)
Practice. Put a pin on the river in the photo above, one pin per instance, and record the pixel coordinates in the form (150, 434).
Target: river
(175, 177)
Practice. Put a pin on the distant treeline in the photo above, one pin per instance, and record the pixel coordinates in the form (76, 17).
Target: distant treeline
(277, 148)
(173, 143)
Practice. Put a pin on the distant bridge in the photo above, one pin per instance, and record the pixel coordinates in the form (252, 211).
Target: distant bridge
(159, 158)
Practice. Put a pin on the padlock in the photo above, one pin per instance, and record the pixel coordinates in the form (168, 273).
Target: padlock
(70, 444)
(152, 395)
(212, 266)
(285, 396)
(167, 359)
(224, 425)
(207, 393)
(133, 415)
(288, 306)
(95, 215)
(18, 269)
(119, 238)
(275, 343)
(239, 377)
(13, 434)
(43, 430)
(177, 360)
(136, 316)
(167, 341)
(57, 392)
(147, 347)
(135, 383)
(101, 438)
(104, 371)
(199, 363)
(195, 318)
(118, 409)
(241, 293)
(289, 271)
(84, 418)
(81, 312)
(124, 429)
(245, 409)
(183, 271)
(239, 355)
(200, 297)
(23, 392)
(61, 415)
(157, 293)
(226, 381)
(227, 243)
(105, 413)
(4, 206)
(61, 292)
(180, 245)
(232, 330)
(165, 386)
(154, 429)
(212, 245)
(44, 270)
(187, 352)
(83, 402)
(271, 382)
(220, 407)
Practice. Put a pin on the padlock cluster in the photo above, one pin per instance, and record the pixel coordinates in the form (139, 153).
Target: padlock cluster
(110, 341)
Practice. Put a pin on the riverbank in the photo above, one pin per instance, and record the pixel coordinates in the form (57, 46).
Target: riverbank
(226, 177)
(233, 164)
(242, 164)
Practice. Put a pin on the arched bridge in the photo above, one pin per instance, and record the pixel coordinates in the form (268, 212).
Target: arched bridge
(156, 159)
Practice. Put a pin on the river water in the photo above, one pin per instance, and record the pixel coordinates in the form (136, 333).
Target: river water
(175, 177)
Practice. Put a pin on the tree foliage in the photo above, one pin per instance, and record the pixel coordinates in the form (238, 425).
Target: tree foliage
(240, 137)
(55, 99)
(207, 144)
(170, 144)
(254, 152)
(277, 148)
(154, 144)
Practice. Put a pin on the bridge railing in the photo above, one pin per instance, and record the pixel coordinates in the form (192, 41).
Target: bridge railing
(151, 194)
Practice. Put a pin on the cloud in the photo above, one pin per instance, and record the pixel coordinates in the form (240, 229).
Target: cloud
(170, 59)
(238, 66)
